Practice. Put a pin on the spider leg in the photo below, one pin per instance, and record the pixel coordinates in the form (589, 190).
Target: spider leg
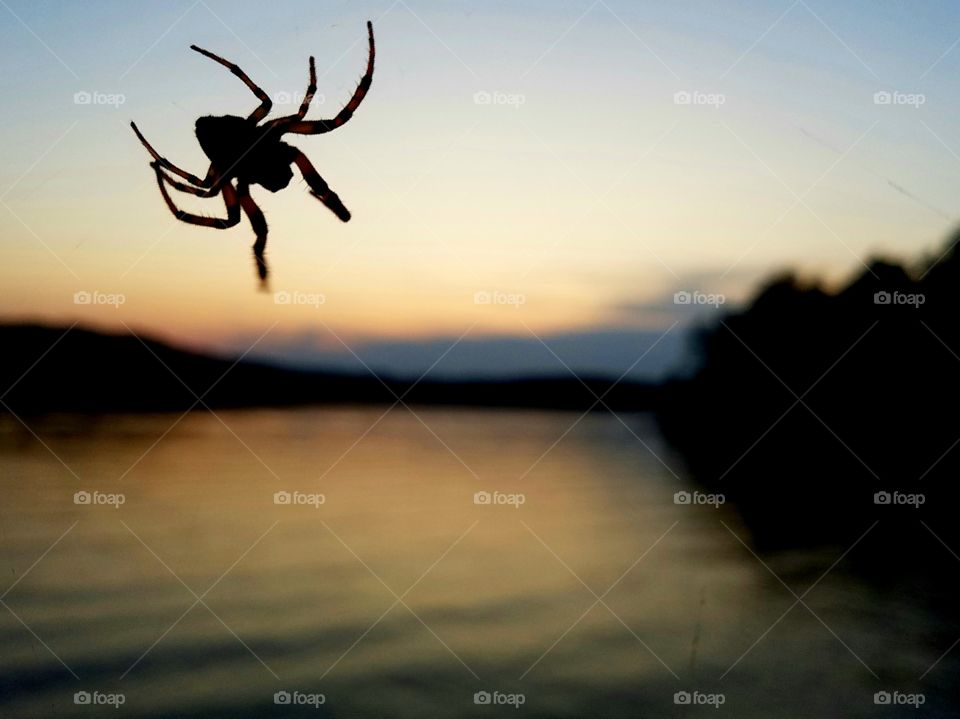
(229, 200)
(265, 102)
(317, 127)
(305, 105)
(208, 181)
(183, 187)
(311, 90)
(319, 188)
(259, 224)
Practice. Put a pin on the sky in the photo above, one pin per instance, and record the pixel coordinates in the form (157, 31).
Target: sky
(545, 174)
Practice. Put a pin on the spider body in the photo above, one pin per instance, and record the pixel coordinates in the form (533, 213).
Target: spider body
(244, 152)
(256, 153)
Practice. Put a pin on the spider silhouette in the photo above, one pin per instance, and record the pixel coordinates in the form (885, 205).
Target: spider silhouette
(241, 149)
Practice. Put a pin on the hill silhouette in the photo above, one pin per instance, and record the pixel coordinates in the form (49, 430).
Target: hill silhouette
(50, 369)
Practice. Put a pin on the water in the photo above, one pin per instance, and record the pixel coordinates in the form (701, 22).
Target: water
(399, 595)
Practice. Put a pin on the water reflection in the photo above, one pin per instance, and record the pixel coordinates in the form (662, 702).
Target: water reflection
(399, 595)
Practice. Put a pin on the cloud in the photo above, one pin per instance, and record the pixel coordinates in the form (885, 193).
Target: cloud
(711, 292)
(629, 328)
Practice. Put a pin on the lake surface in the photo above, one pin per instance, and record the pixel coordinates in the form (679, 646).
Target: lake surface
(383, 588)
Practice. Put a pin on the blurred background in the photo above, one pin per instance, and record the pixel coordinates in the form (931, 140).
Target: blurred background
(629, 388)
(584, 186)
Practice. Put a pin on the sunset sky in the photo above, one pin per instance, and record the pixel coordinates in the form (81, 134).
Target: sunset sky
(586, 186)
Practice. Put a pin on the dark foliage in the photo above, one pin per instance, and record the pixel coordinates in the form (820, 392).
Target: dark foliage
(810, 401)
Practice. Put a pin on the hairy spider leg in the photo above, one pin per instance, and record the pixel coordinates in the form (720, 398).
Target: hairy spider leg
(265, 102)
(259, 224)
(311, 90)
(183, 187)
(229, 200)
(318, 127)
(208, 181)
(234, 199)
(304, 106)
(319, 188)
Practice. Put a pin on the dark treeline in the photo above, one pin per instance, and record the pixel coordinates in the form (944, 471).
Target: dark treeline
(810, 401)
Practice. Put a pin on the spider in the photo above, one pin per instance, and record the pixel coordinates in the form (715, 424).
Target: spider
(241, 148)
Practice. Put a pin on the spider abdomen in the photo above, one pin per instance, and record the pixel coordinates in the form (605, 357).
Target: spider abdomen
(241, 149)
(268, 165)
